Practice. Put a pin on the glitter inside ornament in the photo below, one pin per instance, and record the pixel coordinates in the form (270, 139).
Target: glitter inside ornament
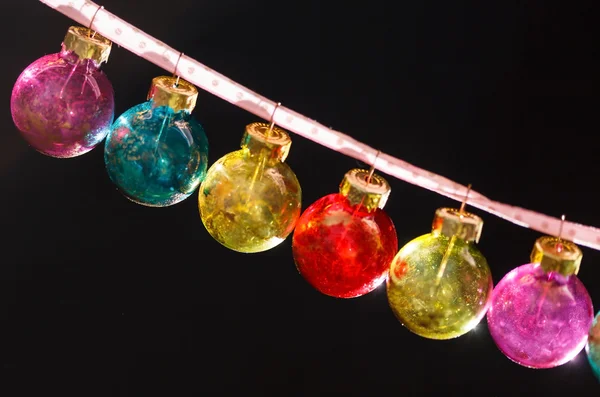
(156, 152)
(250, 199)
(62, 103)
(541, 312)
(593, 346)
(440, 285)
(343, 243)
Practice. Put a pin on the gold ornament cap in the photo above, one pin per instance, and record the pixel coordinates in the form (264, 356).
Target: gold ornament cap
(452, 222)
(360, 190)
(259, 137)
(557, 255)
(178, 95)
(87, 44)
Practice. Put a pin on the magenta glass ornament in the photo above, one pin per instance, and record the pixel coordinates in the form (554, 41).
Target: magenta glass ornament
(63, 104)
(541, 312)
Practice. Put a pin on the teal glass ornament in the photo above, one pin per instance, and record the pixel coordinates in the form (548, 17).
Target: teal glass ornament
(156, 153)
(593, 346)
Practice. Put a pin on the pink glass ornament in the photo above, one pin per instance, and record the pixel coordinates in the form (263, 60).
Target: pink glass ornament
(540, 318)
(62, 104)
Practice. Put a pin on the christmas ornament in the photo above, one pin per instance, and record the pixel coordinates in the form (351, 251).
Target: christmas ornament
(250, 199)
(440, 285)
(344, 242)
(593, 346)
(62, 103)
(541, 313)
(156, 152)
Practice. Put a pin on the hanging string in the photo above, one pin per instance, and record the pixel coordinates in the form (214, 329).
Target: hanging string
(464, 203)
(92, 22)
(175, 74)
(372, 169)
(270, 130)
(559, 245)
(142, 44)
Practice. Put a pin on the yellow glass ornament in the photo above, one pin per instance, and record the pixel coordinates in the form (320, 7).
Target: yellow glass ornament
(440, 285)
(250, 199)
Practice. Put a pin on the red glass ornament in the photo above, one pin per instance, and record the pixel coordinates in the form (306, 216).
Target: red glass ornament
(344, 243)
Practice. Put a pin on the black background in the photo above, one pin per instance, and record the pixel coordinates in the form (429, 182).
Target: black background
(103, 297)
